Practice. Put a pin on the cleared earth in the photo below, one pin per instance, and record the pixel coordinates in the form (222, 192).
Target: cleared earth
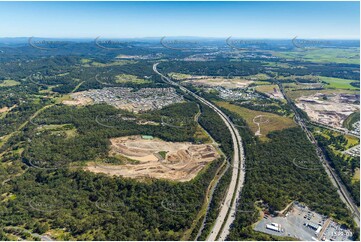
(271, 91)
(331, 109)
(233, 82)
(155, 158)
(212, 81)
(78, 100)
(4, 109)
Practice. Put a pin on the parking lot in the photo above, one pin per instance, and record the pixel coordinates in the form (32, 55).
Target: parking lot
(336, 233)
(303, 224)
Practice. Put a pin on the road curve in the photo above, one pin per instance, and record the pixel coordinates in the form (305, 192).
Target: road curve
(226, 215)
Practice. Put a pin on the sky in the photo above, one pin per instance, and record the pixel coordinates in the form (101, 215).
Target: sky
(273, 20)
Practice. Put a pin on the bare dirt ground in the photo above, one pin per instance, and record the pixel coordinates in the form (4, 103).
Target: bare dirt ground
(4, 109)
(260, 120)
(182, 162)
(78, 100)
(330, 109)
(271, 91)
(208, 81)
(145, 122)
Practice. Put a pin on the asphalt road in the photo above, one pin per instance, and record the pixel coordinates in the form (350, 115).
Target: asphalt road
(342, 131)
(343, 192)
(227, 214)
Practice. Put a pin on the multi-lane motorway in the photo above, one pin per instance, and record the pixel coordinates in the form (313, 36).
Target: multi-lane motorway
(226, 215)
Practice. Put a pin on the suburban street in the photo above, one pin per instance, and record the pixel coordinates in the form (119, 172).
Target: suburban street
(226, 215)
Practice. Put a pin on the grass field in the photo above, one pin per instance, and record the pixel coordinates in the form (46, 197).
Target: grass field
(275, 122)
(163, 154)
(277, 64)
(338, 83)
(267, 88)
(62, 98)
(123, 78)
(258, 77)
(325, 55)
(353, 118)
(299, 86)
(49, 89)
(63, 74)
(260, 83)
(9, 83)
(356, 176)
(179, 76)
(309, 78)
(90, 63)
(299, 93)
(55, 129)
(201, 135)
(351, 140)
(84, 61)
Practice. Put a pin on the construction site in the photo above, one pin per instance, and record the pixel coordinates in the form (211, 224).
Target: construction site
(272, 91)
(329, 109)
(229, 82)
(150, 157)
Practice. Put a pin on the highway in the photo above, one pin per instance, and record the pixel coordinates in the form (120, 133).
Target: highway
(209, 201)
(343, 192)
(226, 215)
(343, 131)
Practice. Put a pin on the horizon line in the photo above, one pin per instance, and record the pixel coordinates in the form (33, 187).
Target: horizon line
(200, 37)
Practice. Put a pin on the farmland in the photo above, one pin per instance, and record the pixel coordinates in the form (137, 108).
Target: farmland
(346, 56)
(338, 83)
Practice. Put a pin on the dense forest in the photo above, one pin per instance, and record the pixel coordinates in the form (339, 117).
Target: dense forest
(96, 207)
(94, 126)
(69, 198)
(273, 178)
(345, 166)
(213, 124)
(44, 146)
(252, 67)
